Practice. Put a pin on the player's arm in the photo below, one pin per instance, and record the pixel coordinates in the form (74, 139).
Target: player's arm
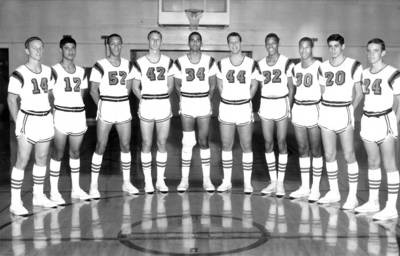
(51, 99)
(396, 106)
(178, 85)
(13, 105)
(212, 81)
(170, 84)
(136, 88)
(94, 92)
(357, 94)
(292, 90)
(253, 87)
(220, 85)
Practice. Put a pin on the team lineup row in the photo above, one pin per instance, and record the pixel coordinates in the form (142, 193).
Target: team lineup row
(318, 98)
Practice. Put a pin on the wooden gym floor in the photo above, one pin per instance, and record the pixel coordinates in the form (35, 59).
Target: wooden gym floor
(192, 223)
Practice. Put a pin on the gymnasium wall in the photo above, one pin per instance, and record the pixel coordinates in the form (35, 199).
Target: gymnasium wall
(357, 20)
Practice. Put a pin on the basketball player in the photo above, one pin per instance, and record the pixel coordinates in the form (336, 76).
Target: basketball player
(69, 118)
(195, 80)
(305, 110)
(110, 92)
(238, 78)
(276, 94)
(30, 110)
(379, 128)
(341, 94)
(152, 84)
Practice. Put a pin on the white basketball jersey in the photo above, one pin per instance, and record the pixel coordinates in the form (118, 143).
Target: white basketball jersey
(32, 87)
(153, 76)
(195, 76)
(236, 80)
(274, 83)
(379, 88)
(306, 81)
(67, 87)
(112, 79)
(339, 80)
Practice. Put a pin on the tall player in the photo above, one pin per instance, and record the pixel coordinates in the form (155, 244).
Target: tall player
(341, 94)
(110, 92)
(276, 94)
(379, 128)
(305, 113)
(195, 80)
(237, 82)
(69, 118)
(155, 75)
(30, 110)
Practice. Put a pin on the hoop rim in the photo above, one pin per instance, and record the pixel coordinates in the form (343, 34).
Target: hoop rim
(194, 10)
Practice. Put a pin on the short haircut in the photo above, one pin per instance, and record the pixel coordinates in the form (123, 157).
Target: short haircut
(307, 39)
(194, 34)
(272, 35)
(31, 39)
(154, 31)
(113, 35)
(232, 34)
(67, 39)
(335, 37)
(377, 41)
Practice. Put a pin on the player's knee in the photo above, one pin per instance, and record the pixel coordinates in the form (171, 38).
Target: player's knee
(330, 156)
(21, 162)
(282, 146)
(374, 164)
(57, 155)
(269, 146)
(74, 154)
(303, 150)
(349, 156)
(100, 148)
(203, 143)
(41, 159)
(162, 145)
(125, 147)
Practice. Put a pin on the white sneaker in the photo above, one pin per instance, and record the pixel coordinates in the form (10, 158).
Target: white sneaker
(386, 214)
(314, 196)
(94, 193)
(129, 188)
(280, 189)
(80, 194)
(350, 203)
(42, 201)
(248, 189)
(148, 187)
(57, 198)
(207, 185)
(225, 186)
(18, 209)
(183, 186)
(300, 193)
(270, 189)
(369, 206)
(161, 186)
(330, 197)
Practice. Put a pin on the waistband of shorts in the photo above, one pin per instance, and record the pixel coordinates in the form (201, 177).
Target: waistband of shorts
(114, 98)
(155, 96)
(377, 114)
(307, 102)
(69, 109)
(336, 103)
(274, 97)
(194, 94)
(35, 113)
(235, 102)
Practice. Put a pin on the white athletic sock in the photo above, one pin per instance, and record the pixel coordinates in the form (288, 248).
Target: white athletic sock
(317, 164)
(54, 174)
(126, 166)
(393, 188)
(75, 165)
(227, 165)
(205, 162)
(161, 159)
(305, 171)
(374, 182)
(352, 172)
(271, 163)
(247, 160)
(96, 165)
(282, 162)
(332, 170)
(146, 165)
(186, 159)
(17, 178)
(38, 173)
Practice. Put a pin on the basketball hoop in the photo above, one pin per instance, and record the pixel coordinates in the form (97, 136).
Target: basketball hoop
(194, 16)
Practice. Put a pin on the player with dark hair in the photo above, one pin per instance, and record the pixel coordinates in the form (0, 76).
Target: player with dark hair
(237, 82)
(381, 87)
(276, 97)
(28, 101)
(195, 83)
(109, 91)
(341, 93)
(69, 118)
(153, 82)
(305, 111)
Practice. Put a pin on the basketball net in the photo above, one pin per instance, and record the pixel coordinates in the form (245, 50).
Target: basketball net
(194, 16)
